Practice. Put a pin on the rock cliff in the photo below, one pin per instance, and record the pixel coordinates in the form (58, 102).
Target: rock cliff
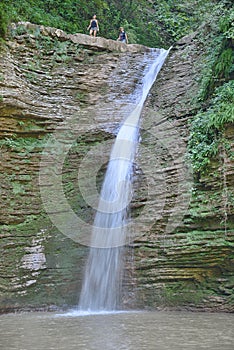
(186, 258)
(71, 92)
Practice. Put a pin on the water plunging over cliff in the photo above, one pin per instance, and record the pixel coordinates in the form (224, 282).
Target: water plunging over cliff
(101, 288)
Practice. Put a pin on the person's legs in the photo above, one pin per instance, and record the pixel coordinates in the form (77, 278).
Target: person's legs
(91, 32)
(94, 33)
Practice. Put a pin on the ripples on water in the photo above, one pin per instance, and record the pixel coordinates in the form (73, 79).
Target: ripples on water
(117, 331)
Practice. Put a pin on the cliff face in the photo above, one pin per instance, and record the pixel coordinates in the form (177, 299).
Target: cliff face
(186, 257)
(71, 93)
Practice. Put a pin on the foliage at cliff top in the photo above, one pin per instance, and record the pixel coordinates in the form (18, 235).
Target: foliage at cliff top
(152, 23)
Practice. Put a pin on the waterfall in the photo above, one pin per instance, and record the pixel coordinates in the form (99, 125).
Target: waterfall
(101, 288)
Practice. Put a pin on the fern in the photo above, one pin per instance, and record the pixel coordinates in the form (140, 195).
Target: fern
(207, 128)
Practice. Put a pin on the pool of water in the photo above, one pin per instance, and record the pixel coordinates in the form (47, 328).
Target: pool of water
(117, 331)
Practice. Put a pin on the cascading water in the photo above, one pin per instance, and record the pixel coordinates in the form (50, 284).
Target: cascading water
(102, 283)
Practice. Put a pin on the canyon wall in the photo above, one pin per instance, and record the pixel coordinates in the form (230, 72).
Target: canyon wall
(186, 257)
(62, 98)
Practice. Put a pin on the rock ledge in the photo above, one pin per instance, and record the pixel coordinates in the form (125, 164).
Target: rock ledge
(98, 43)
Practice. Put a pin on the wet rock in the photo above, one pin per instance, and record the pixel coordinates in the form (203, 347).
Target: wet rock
(186, 256)
(54, 88)
(69, 93)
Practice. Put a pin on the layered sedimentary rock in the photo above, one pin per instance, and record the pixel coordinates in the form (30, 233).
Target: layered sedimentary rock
(68, 94)
(75, 90)
(186, 257)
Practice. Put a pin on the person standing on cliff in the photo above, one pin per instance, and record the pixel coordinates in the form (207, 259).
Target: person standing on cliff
(122, 36)
(93, 26)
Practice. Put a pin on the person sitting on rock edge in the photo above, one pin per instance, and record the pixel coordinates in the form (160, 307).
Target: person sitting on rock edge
(93, 26)
(122, 36)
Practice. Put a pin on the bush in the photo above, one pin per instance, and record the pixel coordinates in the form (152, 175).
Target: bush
(3, 21)
(207, 128)
(152, 23)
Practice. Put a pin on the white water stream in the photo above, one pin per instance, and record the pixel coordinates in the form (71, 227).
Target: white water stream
(101, 288)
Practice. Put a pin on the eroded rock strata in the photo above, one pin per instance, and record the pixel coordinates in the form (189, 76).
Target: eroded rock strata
(59, 90)
(186, 257)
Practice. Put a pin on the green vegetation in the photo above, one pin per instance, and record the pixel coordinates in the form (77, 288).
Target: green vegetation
(179, 293)
(207, 128)
(153, 23)
(216, 94)
(21, 144)
(219, 63)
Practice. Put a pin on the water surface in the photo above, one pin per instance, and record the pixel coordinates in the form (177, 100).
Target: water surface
(120, 331)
